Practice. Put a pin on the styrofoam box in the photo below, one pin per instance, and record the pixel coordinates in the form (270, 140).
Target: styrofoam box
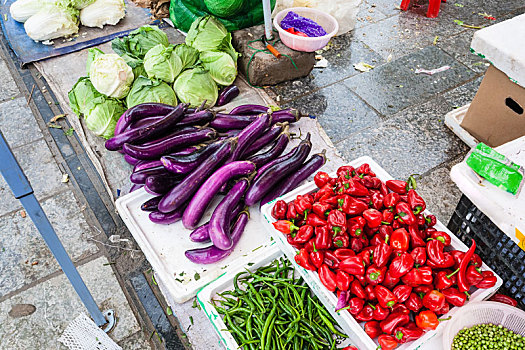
(262, 257)
(346, 321)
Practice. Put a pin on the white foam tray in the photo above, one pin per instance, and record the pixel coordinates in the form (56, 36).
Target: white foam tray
(329, 299)
(453, 120)
(164, 246)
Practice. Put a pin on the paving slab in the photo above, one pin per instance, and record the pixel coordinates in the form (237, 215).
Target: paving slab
(458, 46)
(9, 88)
(393, 87)
(369, 12)
(463, 94)
(17, 123)
(24, 256)
(412, 141)
(135, 342)
(40, 168)
(57, 304)
(469, 11)
(339, 111)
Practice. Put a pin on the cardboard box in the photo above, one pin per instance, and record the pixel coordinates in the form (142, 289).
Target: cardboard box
(497, 113)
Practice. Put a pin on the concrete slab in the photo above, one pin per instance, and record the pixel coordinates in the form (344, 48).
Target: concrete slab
(458, 46)
(57, 304)
(462, 95)
(135, 342)
(17, 123)
(40, 168)
(24, 256)
(9, 88)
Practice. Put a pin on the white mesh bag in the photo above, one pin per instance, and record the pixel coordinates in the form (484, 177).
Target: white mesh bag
(83, 334)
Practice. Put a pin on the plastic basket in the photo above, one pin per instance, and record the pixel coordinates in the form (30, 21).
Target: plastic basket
(495, 248)
(482, 313)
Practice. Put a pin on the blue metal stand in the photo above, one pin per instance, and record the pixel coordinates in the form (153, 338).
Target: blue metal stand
(17, 181)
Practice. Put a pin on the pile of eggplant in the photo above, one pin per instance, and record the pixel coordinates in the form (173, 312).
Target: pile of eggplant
(186, 156)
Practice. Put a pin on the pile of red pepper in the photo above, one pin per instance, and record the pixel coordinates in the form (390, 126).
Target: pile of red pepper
(371, 242)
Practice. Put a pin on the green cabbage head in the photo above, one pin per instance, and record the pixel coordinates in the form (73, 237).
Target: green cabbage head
(162, 63)
(207, 34)
(147, 90)
(187, 54)
(103, 118)
(139, 41)
(195, 85)
(111, 76)
(220, 65)
(83, 97)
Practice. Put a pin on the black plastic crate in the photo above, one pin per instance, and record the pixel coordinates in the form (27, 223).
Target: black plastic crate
(495, 248)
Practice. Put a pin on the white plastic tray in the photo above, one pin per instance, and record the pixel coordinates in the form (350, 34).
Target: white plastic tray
(453, 120)
(329, 299)
(164, 246)
(225, 282)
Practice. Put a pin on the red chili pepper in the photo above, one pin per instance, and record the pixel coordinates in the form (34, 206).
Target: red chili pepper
(420, 255)
(458, 257)
(445, 279)
(343, 253)
(302, 203)
(371, 182)
(397, 186)
(400, 308)
(420, 218)
(303, 235)
(427, 320)
(370, 292)
(366, 255)
(285, 226)
(402, 292)
(454, 296)
(353, 265)
(435, 300)
(389, 281)
(365, 315)
(382, 254)
(435, 251)
(413, 278)
(386, 342)
(444, 310)
(315, 220)
(351, 347)
(356, 244)
(488, 281)
(426, 274)
(321, 209)
(373, 217)
(441, 236)
(327, 277)
(355, 305)
(346, 172)
(463, 285)
(377, 201)
(292, 30)
(385, 233)
(393, 321)
(380, 313)
(396, 225)
(383, 189)
(403, 198)
(415, 237)
(404, 213)
(302, 258)
(337, 221)
(473, 275)
(354, 188)
(417, 204)
(372, 329)
(375, 275)
(321, 179)
(385, 297)
(448, 262)
(423, 289)
(400, 240)
(363, 169)
(431, 220)
(361, 279)
(350, 205)
(317, 257)
(401, 265)
(408, 333)
(341, 241)
(414, 302)
(476, 260)
(502, 298)
(355, 226)
(357, 289)
(331, 260)
(388, 217)
(343, 280)
(291, 214)
(323, 238)
(326, 192)
(279, 210)
(391, 200)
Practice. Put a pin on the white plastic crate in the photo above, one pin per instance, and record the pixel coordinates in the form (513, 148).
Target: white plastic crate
(353, 328)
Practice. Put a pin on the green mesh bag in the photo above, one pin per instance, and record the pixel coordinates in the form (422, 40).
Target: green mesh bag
(234, 14)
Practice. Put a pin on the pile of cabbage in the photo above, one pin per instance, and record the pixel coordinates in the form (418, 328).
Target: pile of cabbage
(50, 19)
(146, 68)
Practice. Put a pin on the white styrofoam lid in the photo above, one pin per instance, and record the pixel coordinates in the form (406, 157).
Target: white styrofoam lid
(503, 45)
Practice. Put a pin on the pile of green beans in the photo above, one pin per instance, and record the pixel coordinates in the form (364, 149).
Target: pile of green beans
(488, 336)
(272, 309)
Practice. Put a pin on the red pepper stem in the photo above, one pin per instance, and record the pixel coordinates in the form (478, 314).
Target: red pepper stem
(315, 249)
(399, 335)
(445, 319)
(453, 273)
(372, 306)
(418, 210)
(468, 295)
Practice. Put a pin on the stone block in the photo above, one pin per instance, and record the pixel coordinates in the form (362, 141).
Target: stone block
(264, 68)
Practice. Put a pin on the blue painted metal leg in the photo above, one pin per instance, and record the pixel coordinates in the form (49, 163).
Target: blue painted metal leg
(17, 181)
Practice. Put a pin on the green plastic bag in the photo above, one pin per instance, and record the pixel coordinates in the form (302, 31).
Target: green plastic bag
(234, 14)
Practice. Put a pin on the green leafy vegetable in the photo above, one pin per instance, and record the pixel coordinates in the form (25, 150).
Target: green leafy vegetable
(83, 97)
(187, 54)
(139, 41)
(52, 21)
(220, 65)
(80, 4)
(208, 34)
(93, 53)
(195, 85)
(162, 63)
(21, 10)
(104, 116)
(146, 90)
(111, 76)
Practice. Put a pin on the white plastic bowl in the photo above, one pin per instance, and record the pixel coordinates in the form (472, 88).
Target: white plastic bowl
(307, 44)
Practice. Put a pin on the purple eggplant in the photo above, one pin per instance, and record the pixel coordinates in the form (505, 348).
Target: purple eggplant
(191, 183)
(148, 132)
(268, 137)
(145, 122)
(249, 109)
(151, 204)
(212, 254)
(250, 133)
(121, 124)
(231, 133)
(153, 193)
(158, 217)
(291, 182)
(163, 138)
(153, 151)
(140, 176)
(202, 152)
(146, 164)
(186, 151)
(263, 184)
(162, 183)
(130, 160)
(219, 227)
(145, 110)
(200, 201)
(201, 234)
(224, 122)
(197, 118)
(227, 94)
(179, 168)
(135, 187)
(275, 151)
